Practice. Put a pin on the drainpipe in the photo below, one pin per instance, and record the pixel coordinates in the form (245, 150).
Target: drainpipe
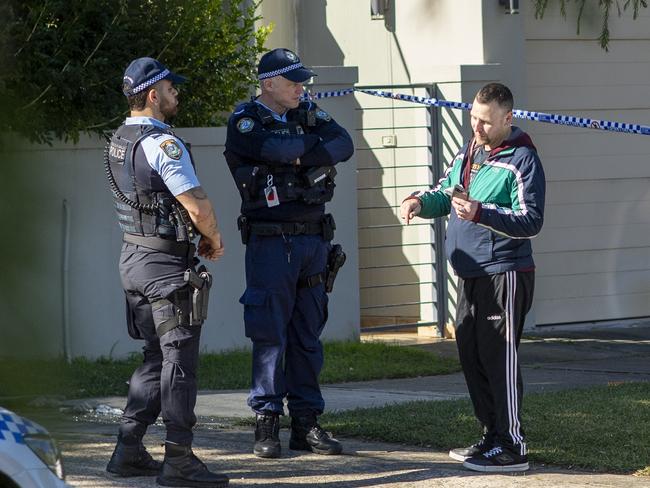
(65, 288)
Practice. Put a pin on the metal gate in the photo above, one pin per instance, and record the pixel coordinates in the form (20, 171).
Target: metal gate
(402, 268)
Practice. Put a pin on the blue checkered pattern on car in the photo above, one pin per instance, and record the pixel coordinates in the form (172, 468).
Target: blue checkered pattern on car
(14, 427)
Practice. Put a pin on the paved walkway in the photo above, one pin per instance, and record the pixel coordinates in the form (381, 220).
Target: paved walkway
(554, 359)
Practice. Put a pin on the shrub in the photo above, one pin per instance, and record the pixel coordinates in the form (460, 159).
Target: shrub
(63, 60)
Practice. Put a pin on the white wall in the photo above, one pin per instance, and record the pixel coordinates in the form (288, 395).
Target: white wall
(282, 15)
(96, 306)
(407, 46)
(593, 255)
(419, 41)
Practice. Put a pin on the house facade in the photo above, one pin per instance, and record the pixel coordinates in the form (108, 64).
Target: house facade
(593, 255)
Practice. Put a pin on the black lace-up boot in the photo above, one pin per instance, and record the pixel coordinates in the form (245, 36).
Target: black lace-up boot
(267, 435)
(307, 435)
(182, 468)
(132, 460)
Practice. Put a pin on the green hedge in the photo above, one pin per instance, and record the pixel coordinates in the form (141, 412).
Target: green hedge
(63, 60)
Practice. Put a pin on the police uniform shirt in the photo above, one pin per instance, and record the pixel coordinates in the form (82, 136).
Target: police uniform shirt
(276, 116)
(167, 156)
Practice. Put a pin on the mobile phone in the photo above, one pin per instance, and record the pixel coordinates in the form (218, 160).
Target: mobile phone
(457, 191)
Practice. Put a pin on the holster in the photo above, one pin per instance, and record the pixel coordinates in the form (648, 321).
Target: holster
(335, 261)
(244, 228)
(200, 283)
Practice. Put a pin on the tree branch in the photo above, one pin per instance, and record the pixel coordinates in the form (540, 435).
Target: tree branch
(603, 5)
(170, 41)
(42, 94)
(119, 12)
(33, 29)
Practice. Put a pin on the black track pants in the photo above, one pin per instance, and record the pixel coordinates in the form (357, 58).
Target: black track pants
(490, 317)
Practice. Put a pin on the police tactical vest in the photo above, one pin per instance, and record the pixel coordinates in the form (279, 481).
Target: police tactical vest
(293, 183)
(150, 206)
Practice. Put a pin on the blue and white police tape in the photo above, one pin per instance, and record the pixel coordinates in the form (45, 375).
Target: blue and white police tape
(520, 114)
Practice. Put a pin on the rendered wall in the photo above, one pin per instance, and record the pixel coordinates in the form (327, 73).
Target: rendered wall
(95, 306)
(594, 253)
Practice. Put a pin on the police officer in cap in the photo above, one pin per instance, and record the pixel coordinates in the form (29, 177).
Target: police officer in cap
(160, 205)
(281, 153)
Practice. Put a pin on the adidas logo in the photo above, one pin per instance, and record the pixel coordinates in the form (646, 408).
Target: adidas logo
(494, 317)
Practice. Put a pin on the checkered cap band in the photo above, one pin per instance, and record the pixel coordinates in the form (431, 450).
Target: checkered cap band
(150, 82)
(280, 71)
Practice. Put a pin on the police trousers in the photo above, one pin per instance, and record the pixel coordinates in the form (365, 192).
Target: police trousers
(284, 322)
(166, 381)
(490, 318)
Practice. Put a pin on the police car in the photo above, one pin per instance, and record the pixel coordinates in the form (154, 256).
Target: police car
(29, 457)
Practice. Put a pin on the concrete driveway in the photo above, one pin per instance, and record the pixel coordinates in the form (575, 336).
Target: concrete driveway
(551, 360)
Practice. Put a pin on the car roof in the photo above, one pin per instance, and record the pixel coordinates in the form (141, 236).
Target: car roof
(13, 427)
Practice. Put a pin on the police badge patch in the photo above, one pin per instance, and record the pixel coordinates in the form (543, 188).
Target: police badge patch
(172, 149)
(292, 57)
(321, 114)
(245, 125)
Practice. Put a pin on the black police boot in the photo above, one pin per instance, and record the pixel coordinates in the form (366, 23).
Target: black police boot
(307, 435)
(132, 460)
(267, 435)
(182, 468)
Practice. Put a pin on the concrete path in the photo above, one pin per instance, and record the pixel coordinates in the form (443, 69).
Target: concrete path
(548, 364)
(553, 360)
(363, 464)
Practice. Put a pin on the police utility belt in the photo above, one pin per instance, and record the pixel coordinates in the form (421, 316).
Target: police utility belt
(335, 259)
(325, 228)
(175, 248)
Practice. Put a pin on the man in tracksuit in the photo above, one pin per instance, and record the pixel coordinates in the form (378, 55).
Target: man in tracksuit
(493, 193)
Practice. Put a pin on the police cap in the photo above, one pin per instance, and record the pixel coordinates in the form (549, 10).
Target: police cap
(144, 72)
(283, 62)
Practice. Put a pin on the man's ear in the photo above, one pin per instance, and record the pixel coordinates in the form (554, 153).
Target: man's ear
(509, 118)
(152, 97)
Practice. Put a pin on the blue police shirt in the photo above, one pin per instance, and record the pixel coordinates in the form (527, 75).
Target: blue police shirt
(276, 116)
(167, 156)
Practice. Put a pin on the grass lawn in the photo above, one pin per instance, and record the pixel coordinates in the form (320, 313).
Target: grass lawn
(603, 428)
(344, 361)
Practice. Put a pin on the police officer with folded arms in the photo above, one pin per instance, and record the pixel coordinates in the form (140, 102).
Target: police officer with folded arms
(160, 206)
(282, 154)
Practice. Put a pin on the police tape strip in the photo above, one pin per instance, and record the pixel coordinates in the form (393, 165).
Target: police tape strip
(521, 114)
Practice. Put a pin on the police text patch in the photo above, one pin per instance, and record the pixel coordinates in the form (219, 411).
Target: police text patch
(245, 125)
(172, 149)
(117, 152)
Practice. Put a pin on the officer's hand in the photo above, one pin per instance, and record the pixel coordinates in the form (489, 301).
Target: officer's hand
(409, 209)
(211, 248)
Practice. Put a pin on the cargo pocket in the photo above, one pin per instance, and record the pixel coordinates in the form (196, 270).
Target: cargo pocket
(164, 316)
(257, 314)
(131, 319)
